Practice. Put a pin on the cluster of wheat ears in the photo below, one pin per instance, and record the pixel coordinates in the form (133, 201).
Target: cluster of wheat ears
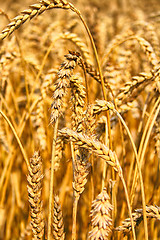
(79, 120)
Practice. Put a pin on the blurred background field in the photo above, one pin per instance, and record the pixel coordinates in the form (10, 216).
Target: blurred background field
(126, 35)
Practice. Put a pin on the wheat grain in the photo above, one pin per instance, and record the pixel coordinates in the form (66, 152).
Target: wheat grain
(148, 50)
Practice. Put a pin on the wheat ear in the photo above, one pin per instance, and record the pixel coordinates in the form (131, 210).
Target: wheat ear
(101, 220)
(34, 193)
(151, 212)
(34, 10)
(78, 95)
(63, 81)
(91, 144)
(57, 222)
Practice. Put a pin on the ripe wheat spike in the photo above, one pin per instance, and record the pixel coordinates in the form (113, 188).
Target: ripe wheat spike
(101, 219)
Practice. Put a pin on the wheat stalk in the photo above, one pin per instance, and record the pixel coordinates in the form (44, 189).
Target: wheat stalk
(39, 123)
(53, 162)
(79, 157)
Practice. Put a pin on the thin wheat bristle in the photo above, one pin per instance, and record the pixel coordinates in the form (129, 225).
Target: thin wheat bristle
(100, 217)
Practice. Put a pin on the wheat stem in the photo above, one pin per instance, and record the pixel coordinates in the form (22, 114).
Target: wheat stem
(17, 138)
(128, 204)
(52, 180)
(75, 204)
(144, 141)
(75, 200)
(99, 68)
(104, 163)
(140, 174)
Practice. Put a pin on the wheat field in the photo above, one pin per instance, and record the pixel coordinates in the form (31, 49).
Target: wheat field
(80, 120)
